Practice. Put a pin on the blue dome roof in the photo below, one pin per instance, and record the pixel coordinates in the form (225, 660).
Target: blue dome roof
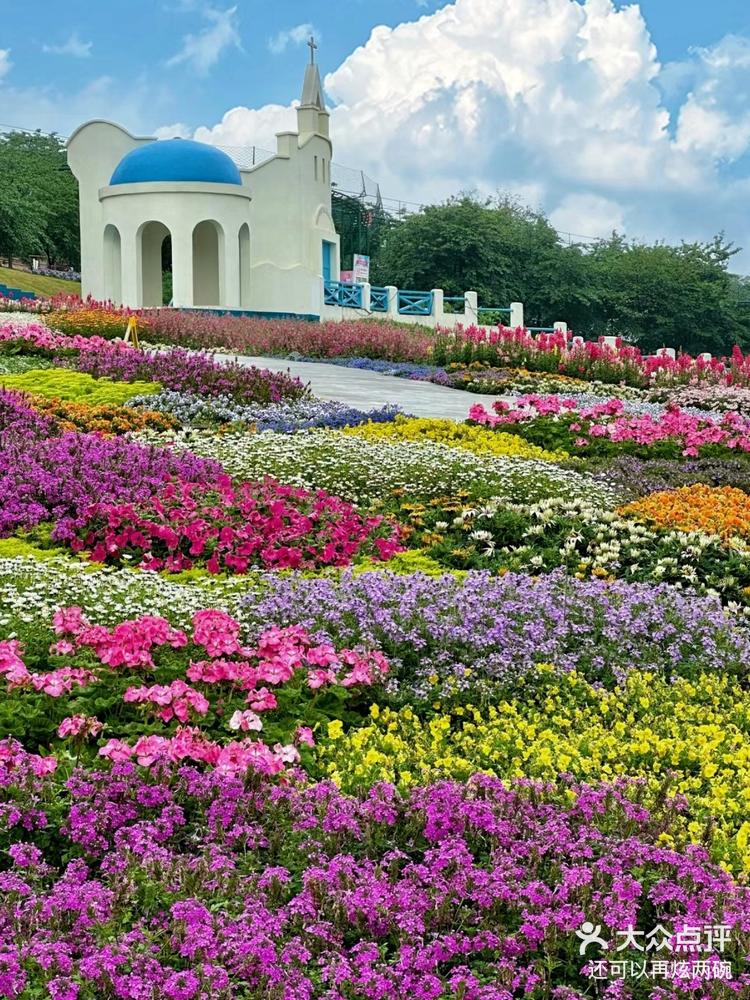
(176, 160)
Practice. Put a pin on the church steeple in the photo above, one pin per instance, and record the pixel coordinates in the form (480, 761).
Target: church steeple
(312, 117)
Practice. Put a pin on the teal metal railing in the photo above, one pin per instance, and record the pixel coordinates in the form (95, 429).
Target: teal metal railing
(412, 303)
(339, 293)
(378, 299)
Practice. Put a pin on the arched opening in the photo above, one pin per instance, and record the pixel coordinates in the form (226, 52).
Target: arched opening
(244, 266)
(112, 255)
(208, 264)
(156, 264)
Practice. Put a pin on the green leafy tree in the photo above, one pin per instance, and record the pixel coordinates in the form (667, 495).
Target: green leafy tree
(653, 295)
(361, 226)
(38, 199)
(662, 295)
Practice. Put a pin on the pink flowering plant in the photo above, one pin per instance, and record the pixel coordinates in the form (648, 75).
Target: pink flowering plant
(151, 692)
(606, 429)
(232, 527)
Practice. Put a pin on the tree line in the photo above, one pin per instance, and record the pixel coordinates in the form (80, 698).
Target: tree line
(38, 200)
(651, 294)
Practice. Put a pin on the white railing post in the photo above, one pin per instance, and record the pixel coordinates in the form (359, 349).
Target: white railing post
(392, 301)
(471, 308)
(366, 296)
(516, 314)
(561, 325)
(706, 356)
(438, 307)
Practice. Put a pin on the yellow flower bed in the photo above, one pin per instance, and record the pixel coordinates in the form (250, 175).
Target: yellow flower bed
(92, 322)
(478, 440)
(699, 730)
(717, 510)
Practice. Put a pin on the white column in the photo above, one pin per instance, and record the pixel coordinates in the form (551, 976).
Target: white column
(182, 266)
(392, 301)
(561, 325)
(131, 268)
(706, 356)
(471, 308)
(366, 296)
(232, 295)
(516, 314)
(438, 309)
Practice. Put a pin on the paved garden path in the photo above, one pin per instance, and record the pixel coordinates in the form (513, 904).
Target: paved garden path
(367, 390)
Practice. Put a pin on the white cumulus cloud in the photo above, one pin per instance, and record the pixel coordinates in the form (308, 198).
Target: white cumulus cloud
(74, 46)
(298, 35)
(559, 98)
(5, 63)
(203, 50)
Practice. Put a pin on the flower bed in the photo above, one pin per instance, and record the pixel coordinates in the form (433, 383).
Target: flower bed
(456, 638)
(721, 510)
(151, 692)
(188, 884)
(473, 439)
(694, 732)
(284, 417)
(585, 540)
(233, 527)
(365, 472)
(56, 478)
(59, 383)
(181, 371)
(606, 429)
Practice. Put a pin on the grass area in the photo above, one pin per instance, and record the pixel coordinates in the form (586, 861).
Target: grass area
(37, 283)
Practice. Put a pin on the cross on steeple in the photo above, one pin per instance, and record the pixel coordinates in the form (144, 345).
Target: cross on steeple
(312, 46)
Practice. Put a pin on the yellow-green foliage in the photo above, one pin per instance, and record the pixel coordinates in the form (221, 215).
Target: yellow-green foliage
(691, 737)
(12, 547)
(403, 563)
(60, 383)
(478, 440)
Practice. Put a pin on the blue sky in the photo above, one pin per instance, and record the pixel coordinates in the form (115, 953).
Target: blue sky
(601, 113)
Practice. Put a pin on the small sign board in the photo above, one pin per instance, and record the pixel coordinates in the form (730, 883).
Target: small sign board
(347, 277)
(361, 267)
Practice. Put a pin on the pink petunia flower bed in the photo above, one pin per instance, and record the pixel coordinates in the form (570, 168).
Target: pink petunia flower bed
(232, 527)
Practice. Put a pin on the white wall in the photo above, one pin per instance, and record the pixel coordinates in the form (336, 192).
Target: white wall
(180, 206)
(285, 202)
(290, 216)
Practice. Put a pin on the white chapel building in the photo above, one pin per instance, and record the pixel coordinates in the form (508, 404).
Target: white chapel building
(259, 239)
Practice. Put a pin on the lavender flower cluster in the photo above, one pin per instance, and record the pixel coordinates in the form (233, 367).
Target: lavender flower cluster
(204, 886)
(400, 369)
(447, 635)
(284, 417)
(636, 477)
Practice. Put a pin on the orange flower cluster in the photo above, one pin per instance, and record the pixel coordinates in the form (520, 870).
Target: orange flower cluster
(718, 510)
(91, 322)
(108, 420)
